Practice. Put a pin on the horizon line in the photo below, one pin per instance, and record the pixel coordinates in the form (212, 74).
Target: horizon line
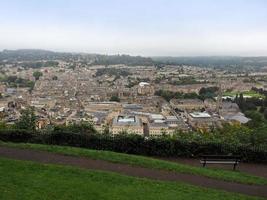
(133, 55)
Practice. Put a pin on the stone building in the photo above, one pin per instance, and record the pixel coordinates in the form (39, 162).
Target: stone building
(130, 124)
(203, 121)
(145, 89)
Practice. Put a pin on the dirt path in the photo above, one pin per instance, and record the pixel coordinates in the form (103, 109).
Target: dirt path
(53, 158)
(250, 168)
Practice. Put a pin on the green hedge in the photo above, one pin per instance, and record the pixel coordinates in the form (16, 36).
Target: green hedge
(135, 144)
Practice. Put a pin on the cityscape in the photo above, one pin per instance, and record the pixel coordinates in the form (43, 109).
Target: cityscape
(150, 99)
(133, 100)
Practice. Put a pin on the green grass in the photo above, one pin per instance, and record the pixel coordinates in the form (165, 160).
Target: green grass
(245, 93)
(227, 175)
(24, 180)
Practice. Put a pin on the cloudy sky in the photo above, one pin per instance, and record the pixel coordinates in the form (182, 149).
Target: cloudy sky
(137, 27)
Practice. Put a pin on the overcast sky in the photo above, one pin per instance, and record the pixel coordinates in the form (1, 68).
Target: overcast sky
(137, 27)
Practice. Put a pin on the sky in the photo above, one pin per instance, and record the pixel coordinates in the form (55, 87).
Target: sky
(137, 27)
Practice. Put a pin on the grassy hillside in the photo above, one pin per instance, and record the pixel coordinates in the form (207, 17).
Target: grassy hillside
(227, 175)
(24, 180)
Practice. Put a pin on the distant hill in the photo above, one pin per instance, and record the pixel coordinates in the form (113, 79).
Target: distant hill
(214, 61)
(228, 62)
(30, 55)
(93, 59)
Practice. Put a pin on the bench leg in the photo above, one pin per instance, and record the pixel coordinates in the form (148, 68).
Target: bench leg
(234, 166)
(204, 164)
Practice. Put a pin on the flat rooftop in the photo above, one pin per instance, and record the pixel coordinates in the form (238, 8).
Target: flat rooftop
(126, 120)
(200, 115)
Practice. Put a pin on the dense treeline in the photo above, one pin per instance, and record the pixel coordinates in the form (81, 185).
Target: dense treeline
(92, 59)
(178, 146)
(37, 65)
(231, 63)
(112, 72)
(253, 107)
(204, 93)
(122, 59)
(33, 55)
(168, 95)
(14, 81)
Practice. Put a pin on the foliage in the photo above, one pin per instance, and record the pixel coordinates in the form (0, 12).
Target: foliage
(259, 90)
(27, 120)
(80, 128)
(256, 119)
(251, 93)
(37, 65)
(248, 104)
(14, 81)
(168, 95)
(112, 72)
(115, 98)
(234, 139)
(265, 113)
(230, 140)
(37, 75)
(209, 92)
(122, 59)
(233, 64)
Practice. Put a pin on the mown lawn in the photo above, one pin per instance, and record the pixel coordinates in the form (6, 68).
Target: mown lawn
(227, 175)
(250, 93)
(23, 180)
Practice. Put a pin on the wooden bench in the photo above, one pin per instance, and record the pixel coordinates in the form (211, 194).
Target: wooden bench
(220, 159)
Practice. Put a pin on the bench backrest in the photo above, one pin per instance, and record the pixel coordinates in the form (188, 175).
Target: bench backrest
(220, 157)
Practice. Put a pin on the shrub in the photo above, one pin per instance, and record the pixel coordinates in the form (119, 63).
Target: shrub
(135, 144)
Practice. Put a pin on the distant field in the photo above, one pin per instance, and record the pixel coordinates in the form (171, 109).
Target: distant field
(227, 175)
(250, 93)
(25, 180)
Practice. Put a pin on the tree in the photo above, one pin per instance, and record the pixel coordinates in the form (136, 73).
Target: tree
(11, 79)
(54, 78)
(27, 120)
(241, 101)
(3, 125)
(208, 92)
(106, 130)
(265, 113)
(256, 119)
(265, 102)
(191, 95)
(31, 86)
(115, 98)
(83, 128)
(259, 136)
(37, 75)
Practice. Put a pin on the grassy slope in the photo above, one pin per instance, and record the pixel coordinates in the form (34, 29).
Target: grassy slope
(25, 180)
(226, 175)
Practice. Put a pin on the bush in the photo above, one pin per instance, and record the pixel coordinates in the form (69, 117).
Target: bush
(135, 144)
(16, 135)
